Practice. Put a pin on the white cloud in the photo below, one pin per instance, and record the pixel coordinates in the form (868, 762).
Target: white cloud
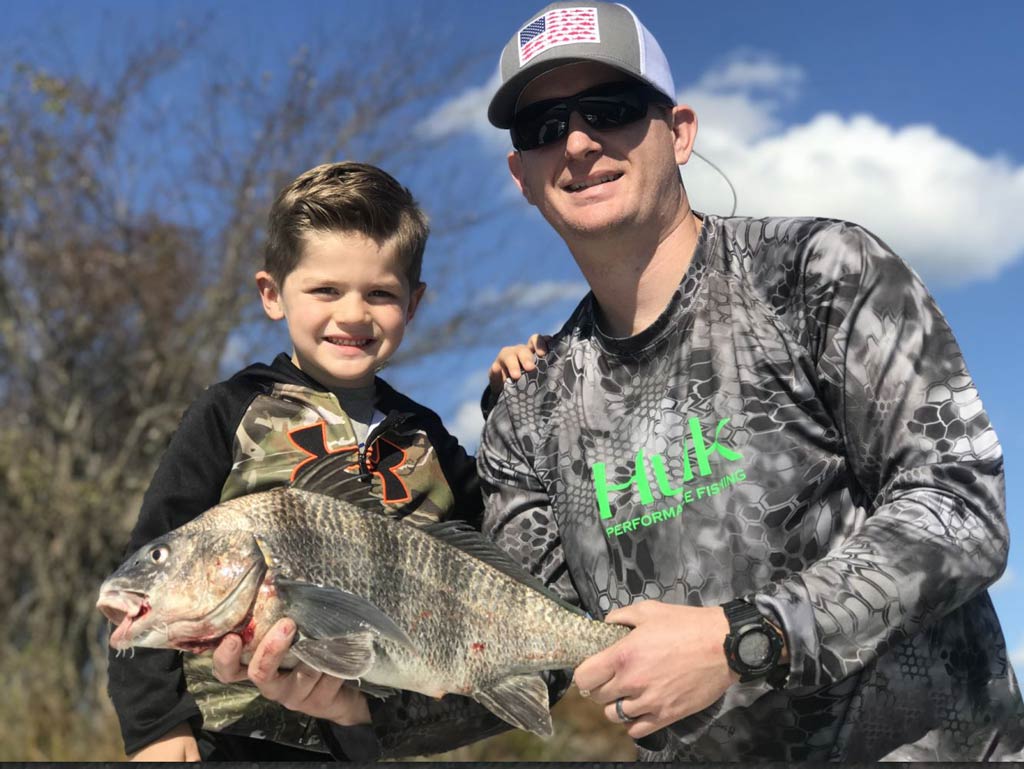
(535, 295)
(467, 109)
(951, 212)
(1005, 582)
(468, 424)
(1017, 657)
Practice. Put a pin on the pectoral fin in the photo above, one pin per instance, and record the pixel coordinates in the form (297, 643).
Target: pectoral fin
(347, 656)
(328, 612)
(521, 701)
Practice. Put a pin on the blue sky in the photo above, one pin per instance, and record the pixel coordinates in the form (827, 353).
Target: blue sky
(904, 117)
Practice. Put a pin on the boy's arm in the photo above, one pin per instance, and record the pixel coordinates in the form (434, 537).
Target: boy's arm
(147, 686)
(179, 744)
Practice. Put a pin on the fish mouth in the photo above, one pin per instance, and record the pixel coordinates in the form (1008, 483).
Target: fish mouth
(123, 608)
(138, 624)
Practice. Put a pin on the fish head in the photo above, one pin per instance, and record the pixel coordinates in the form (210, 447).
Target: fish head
(185, 590)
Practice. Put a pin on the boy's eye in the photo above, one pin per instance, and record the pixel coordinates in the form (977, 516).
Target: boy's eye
(325, 290)
(383, 293)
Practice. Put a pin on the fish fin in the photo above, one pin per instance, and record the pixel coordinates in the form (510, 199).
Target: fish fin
(330, 476)
(328, 612)
(463, 536)
(349, 656)
(521, 701)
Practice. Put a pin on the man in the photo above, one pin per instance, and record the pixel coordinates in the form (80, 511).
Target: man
(754, 441)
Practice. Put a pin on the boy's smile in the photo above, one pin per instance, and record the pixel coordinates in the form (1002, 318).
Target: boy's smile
(346, 304)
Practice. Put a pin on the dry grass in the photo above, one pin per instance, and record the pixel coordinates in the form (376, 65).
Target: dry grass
(38, 724)
(582, 733)
(38, 721)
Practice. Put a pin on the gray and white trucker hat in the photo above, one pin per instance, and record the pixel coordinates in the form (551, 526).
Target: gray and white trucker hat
(571, 31)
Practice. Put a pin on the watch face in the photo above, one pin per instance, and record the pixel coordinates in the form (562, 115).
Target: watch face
(754, 649)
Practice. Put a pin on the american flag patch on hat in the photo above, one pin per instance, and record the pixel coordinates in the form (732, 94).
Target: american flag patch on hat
(558, 27)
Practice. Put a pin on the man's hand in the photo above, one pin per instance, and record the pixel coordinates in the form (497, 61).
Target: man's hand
(514, 360)
(303, 689)
(670, 666)
(179, 744)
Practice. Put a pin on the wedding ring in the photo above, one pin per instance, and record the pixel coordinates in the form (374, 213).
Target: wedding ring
(622, 716)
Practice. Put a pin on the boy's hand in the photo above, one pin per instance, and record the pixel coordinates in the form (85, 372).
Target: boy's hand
(513, 361)
(179, 744)
(303, 689)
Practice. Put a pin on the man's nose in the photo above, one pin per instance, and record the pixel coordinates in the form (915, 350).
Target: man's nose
(582, 138)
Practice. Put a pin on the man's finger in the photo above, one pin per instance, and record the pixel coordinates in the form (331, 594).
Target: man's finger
(630, 615)
(595, 671)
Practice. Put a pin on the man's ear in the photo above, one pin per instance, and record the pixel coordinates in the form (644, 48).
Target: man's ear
(270, 295)
(684, 130)
(515, 167)
(414, 300)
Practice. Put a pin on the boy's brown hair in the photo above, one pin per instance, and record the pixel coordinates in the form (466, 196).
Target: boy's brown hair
(345, 197)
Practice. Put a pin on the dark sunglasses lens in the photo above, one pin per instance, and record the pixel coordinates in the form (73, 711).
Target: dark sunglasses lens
(612, 111)
(534, 127)
(548, 121)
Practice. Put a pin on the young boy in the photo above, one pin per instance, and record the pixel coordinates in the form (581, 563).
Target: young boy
(343, 257)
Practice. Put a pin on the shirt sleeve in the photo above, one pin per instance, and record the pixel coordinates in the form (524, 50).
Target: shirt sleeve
(925, 461)
(147, 686)
(517, 507)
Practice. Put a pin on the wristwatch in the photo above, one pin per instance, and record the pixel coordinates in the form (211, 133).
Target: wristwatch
(754, 644)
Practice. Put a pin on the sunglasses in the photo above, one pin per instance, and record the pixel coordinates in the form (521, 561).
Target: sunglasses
(606, 106)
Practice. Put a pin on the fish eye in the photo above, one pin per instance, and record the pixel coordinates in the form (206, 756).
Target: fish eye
(159, 553)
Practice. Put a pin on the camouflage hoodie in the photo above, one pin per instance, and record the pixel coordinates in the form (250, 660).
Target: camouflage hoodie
(248, 434)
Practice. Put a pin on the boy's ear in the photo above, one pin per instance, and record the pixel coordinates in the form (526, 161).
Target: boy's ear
(414, 300)
(270, 295)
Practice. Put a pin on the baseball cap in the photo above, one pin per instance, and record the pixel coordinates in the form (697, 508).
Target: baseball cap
(572, 31)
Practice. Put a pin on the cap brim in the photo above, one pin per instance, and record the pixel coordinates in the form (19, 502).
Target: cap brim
(503, 105)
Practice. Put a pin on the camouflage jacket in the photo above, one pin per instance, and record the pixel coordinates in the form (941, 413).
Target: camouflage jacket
(797, 428)
(248, 434)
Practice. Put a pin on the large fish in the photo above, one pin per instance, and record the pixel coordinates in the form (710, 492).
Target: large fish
(435, 609)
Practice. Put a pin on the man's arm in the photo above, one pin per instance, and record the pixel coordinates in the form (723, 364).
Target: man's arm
(926, 461)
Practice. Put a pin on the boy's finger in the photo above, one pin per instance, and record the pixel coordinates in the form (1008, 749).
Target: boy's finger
(271, 651)
(525, 359)
(227, 666)
(543, 342)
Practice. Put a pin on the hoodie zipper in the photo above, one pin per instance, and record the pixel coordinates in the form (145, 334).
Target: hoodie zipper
(393, 419)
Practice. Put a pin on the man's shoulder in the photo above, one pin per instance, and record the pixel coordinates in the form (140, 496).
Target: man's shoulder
(790, 247)
(791, 233)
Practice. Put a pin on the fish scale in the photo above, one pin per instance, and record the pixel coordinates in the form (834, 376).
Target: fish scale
(434, 609)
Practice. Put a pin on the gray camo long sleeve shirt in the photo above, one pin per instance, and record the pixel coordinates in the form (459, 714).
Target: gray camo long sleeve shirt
(799, 428)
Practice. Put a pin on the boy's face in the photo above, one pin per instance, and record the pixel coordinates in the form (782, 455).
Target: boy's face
(346, 305)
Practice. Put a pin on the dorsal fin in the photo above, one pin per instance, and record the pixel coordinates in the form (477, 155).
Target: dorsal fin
(330, 476)
(463, 536)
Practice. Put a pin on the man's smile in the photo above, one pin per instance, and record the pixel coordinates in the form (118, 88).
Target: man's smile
(591, 181)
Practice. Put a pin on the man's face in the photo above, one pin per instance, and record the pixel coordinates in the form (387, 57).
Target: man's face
(593, 182)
